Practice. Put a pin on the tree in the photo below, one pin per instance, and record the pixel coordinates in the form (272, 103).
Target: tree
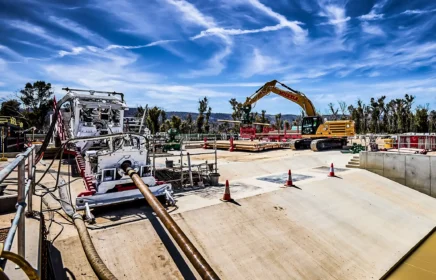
(165, 126)
(287, 125)
(333, 110)
(432, 121)
(343, 107)
(207, 125)
(375, 115)
(421, 119)
(10, 108)
(176, 122)
(202, 107)
(37, 98)
(279, 123)
(140, 111)
(163, 116)
(153, 119)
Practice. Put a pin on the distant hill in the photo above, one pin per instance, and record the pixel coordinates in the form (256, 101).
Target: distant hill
(213, 118)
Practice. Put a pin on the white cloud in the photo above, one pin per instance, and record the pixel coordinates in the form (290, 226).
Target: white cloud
(372, 29)
(156, 43)
(231, 85)
(299, 33)
(11, 53)
(375, 14)
(258, 63)
(74, 51)
(216, 63)
(371, 16)
(192, 14)
(79, 30)
(40, 32)
(417, 12)
(336, 17)
(213, 66)
(232, 32)
(374, 74)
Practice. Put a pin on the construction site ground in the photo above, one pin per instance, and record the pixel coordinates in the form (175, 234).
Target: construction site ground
(356, 225)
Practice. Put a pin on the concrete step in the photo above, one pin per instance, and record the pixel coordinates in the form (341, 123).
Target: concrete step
(352, 166)
(355, 160)
(356, 157)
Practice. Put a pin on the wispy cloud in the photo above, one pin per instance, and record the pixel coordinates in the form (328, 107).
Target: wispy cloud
(418, 12)
(35, 45)
(192, 14)
(233, 32)
(258, 63)
(375, 12)
(372, 29)
(10, 53)
(74, 51)
(216, 63)
(299, 33)
(80, 30)
(226, 48)
(40, 32)
(336, 16)
(152, 44)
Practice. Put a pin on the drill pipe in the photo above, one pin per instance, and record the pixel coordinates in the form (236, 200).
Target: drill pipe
(194, 256)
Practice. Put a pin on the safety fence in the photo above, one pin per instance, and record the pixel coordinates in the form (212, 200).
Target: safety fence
(25, 185)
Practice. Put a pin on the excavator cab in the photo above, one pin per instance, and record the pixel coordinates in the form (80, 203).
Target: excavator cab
(310, 125)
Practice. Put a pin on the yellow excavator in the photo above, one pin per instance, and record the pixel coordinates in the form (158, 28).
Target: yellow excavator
(316, 134)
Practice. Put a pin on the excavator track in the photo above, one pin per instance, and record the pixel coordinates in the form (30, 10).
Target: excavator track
(327, 144)
(301, 144)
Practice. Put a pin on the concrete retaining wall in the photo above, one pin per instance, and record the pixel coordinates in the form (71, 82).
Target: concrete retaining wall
(415, 171)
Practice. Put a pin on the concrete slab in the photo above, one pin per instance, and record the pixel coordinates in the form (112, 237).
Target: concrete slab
(362, 159)
(418, 173)
(374, 161)
(395, 167)
(433, 176)
(354, 227)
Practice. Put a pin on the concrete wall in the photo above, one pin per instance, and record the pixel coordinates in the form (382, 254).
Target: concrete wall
(415, 171)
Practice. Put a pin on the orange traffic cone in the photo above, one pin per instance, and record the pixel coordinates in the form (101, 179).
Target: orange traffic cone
(289, 181)
(226, 196)
(332, 171)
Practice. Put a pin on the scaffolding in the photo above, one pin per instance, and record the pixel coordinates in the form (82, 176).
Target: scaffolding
(184, 173)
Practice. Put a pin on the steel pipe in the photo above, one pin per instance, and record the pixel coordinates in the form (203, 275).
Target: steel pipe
(11, 166)
(194, 256)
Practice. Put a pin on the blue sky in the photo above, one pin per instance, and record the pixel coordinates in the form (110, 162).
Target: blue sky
(170, 53)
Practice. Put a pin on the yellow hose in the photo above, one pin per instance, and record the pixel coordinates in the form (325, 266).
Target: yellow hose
(91, 254)
(20, 261)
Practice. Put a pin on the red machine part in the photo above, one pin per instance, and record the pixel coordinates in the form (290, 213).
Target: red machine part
(90, 189)
(60, 123)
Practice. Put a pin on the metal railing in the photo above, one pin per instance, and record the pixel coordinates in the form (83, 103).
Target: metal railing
(25, 184)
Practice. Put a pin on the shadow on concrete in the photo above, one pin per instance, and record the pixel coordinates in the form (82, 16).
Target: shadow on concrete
(171, 248)
(55, 266)
(234, 202)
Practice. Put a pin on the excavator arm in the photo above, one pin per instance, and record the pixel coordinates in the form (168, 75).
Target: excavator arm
(290, 94)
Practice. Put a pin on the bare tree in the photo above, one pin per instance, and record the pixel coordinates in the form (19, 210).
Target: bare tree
(333, 110)
(343, 107)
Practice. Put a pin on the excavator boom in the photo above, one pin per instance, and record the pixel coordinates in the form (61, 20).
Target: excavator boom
(290, 94)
